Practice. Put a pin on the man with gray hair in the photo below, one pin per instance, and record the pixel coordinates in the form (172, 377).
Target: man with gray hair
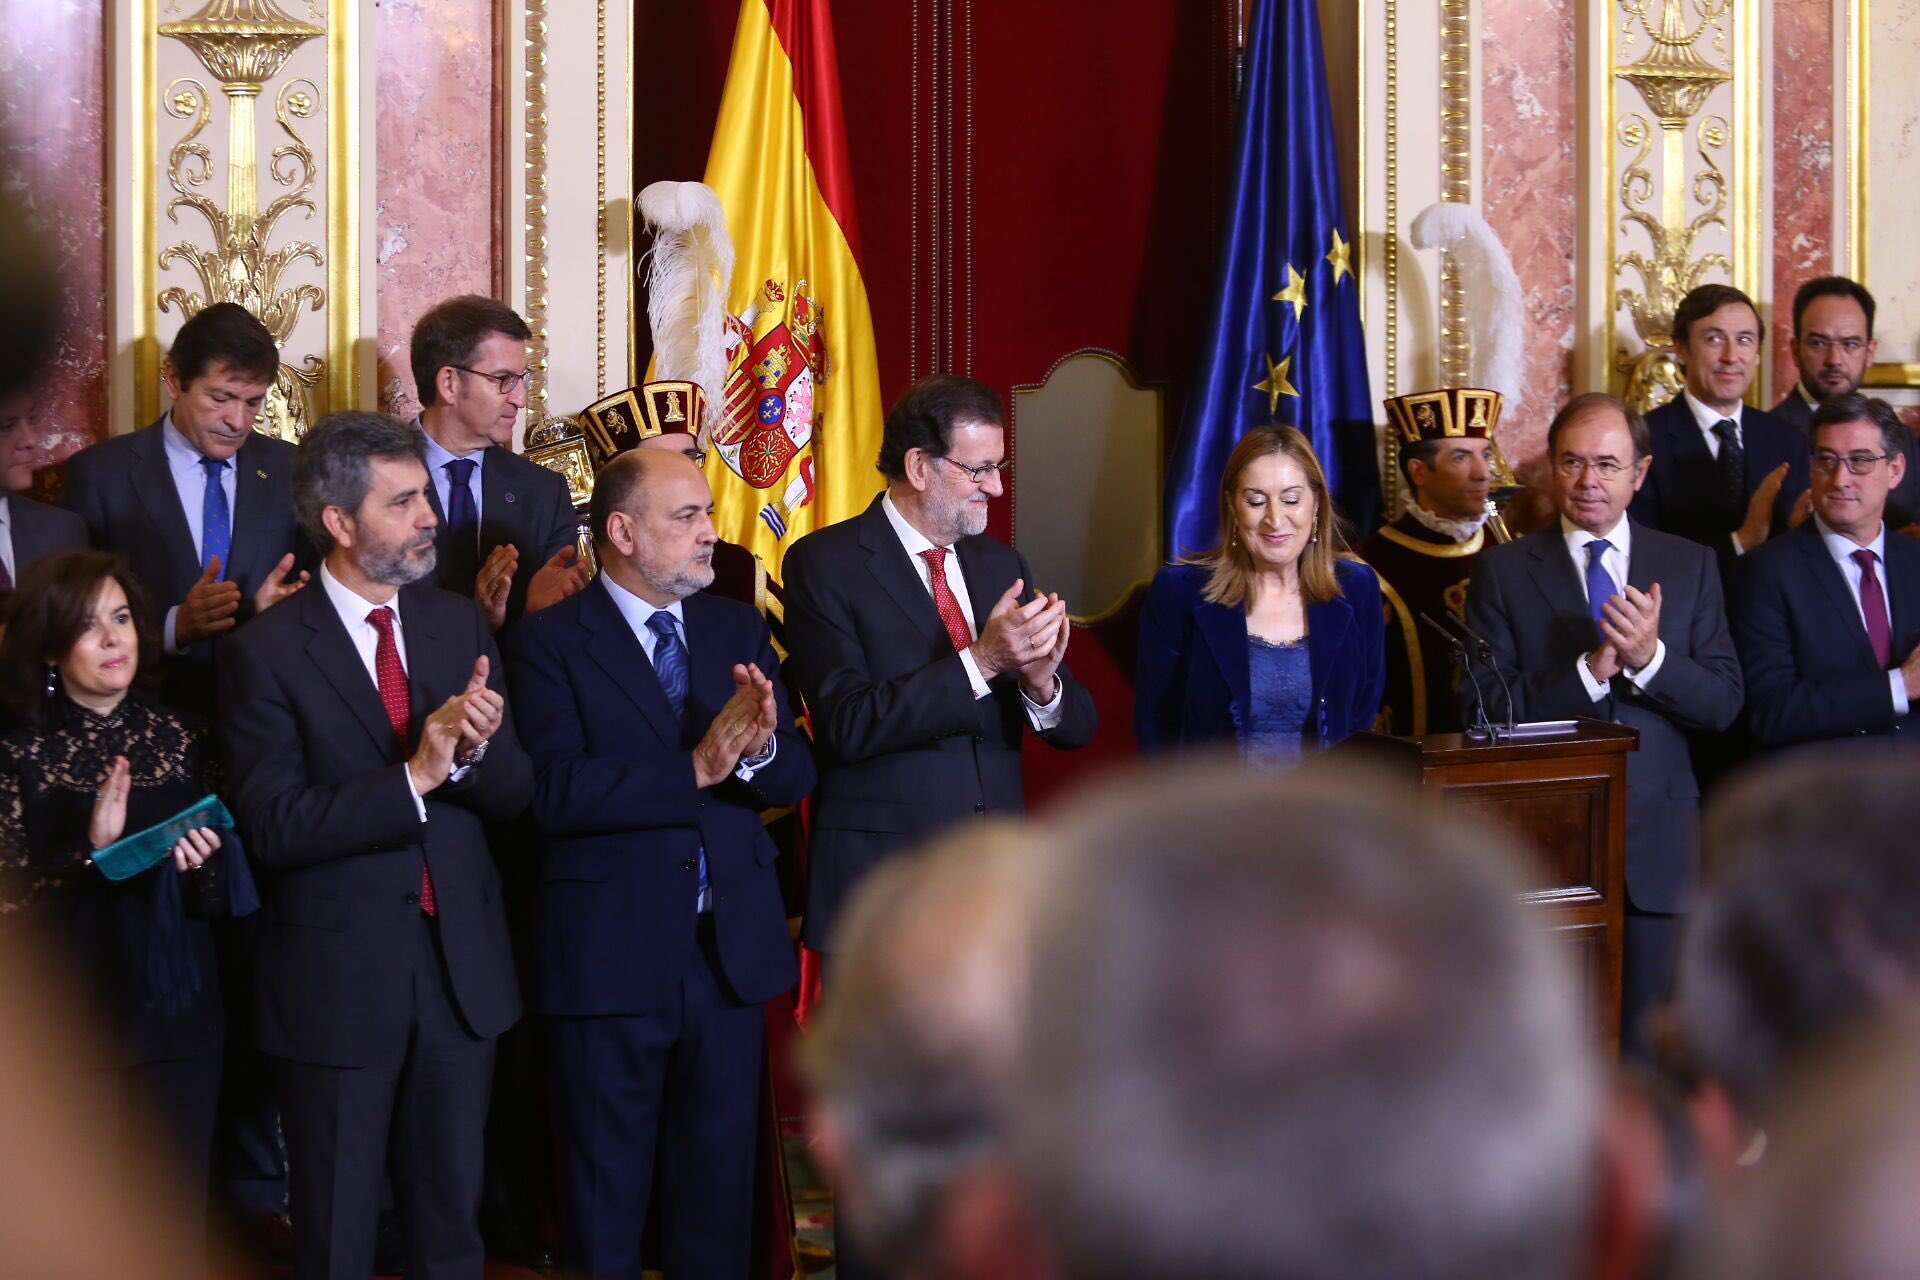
(369, 746)
(910, 1059)
(1300, 1028)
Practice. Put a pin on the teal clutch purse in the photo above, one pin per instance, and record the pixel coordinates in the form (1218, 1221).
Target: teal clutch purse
(130, 855)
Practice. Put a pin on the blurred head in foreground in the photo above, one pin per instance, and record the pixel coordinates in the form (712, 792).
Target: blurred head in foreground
(1297, 1027)
(910, 1056)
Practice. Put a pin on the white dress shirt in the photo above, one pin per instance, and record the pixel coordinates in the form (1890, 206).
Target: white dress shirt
(1616, 559)
(1707, 418)
(353, 609)
(1841, 548)
(637, 611)
(438, 456)
(915, 542)
(190, 485)
(6, 541)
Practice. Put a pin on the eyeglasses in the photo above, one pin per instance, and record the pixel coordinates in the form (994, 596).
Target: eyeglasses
(1819, 344)
(980, 473)
(1568, 464)
(1857, 463)
(505, 382)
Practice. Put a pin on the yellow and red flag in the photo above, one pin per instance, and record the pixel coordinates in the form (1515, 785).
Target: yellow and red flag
(800, 424)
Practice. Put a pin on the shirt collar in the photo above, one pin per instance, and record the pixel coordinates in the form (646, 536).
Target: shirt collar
(1800, 389)
(1620, 537)
(181, 455)
(635, 610)
(438, 455)
(6, 511)
(352, 607)
(911, 538)
(1706, 417)
(1841, 547)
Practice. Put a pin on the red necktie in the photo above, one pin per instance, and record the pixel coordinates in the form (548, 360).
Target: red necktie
(395, 696)
(944, 601)
(1873, 604)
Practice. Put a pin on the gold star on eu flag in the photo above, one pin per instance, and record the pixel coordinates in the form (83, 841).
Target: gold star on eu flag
(1337, 258)
(1275, 384)
(1295, 292)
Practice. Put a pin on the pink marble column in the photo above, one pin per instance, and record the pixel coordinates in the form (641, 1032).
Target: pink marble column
(1802, 163)
(436, 188)
(53, 160)
(1529, 192)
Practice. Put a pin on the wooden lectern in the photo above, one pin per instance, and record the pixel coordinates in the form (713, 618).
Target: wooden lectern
(1564, 796)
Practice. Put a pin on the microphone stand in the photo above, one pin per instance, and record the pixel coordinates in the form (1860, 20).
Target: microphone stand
(1485, 651)
(1482, 729)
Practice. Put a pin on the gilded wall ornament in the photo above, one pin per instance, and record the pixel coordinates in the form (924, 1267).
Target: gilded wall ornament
(244, 44)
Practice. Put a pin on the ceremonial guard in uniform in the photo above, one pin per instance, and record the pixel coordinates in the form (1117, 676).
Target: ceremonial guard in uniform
(1425, 557)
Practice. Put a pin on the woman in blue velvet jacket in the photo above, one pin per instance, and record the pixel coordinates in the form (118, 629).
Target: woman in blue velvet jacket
(1273, 639)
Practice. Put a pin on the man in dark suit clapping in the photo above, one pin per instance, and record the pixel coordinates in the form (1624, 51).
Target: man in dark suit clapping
(1601, 616)
(1827, 621)
(659, 734)
(369, 746)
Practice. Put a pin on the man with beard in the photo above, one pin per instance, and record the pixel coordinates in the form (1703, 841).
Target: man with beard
(369, 746)
(1426, 556)
(924, 654)
(659, 733)
(1833, 346)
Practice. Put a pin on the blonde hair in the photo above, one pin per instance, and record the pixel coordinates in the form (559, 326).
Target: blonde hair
(1230, 561)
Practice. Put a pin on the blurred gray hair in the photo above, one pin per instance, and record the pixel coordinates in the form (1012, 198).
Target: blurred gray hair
(917, 1035)
(1298, 1027)
(333, 465)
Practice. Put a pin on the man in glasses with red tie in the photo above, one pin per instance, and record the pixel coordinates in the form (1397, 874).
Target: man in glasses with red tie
(1827, 619)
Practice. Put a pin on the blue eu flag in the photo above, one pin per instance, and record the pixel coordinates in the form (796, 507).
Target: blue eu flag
(1286, 344)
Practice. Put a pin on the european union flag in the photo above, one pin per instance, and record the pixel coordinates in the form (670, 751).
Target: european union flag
(1286, 344)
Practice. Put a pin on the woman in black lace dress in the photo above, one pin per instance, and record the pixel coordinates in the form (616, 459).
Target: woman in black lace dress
(88, 761)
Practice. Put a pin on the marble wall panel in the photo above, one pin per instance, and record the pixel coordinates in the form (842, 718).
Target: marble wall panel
(1803, 141)
(436, 199)
(53, 162)
(1529, 191)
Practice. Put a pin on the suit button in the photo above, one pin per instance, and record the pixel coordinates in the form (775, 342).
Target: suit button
(413, 899)
(979, 737)
(690, 865)
(979, 808)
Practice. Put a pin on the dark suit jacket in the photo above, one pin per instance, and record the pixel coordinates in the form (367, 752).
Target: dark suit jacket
(1903, 504)
(1681, 495)
(1194, 682)
(320, 791)
(123, 488)
(904, 748)
(623, 821)
(1810, 669)
(1526, 599)
(40, 530)
(523, 504)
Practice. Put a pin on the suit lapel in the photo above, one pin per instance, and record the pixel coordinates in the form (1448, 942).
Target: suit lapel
(152, 480)
(1839, 595)
(1225, 633)
(888, 562)
(1553, 573)
(709, 667)
(499, 505)
(1903, 591)
(618, 653)
(1328, 622)
(251, 475)
(335, 657)
(430, 677)
(982, 595)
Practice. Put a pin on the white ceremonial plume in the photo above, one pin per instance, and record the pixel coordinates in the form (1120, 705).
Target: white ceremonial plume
(687, 273)
(1495, 319)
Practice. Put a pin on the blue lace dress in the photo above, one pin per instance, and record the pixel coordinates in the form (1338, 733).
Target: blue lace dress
(1282, 699)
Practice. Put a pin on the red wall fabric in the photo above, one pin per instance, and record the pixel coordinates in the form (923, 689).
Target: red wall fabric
(1099, 160)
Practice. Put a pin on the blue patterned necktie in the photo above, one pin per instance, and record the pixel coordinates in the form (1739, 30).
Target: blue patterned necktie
(1600, 583)
(216, 518)
(670, 665)
(460, 550)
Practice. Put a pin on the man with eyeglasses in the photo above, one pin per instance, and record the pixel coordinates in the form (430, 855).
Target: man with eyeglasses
(1724, 474)
(924, 652)
(1833, 347)
(1827, 620)
(1602, 616)
(507, 526)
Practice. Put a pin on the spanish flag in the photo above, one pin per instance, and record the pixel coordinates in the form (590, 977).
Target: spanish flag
(800, 425)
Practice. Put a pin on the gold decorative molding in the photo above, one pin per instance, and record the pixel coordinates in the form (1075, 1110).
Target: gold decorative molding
(535, 307)
(1390, 248)
(1456, 180)
(600, 196)
(343, 204)
(244, 44)
(1675, 82)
